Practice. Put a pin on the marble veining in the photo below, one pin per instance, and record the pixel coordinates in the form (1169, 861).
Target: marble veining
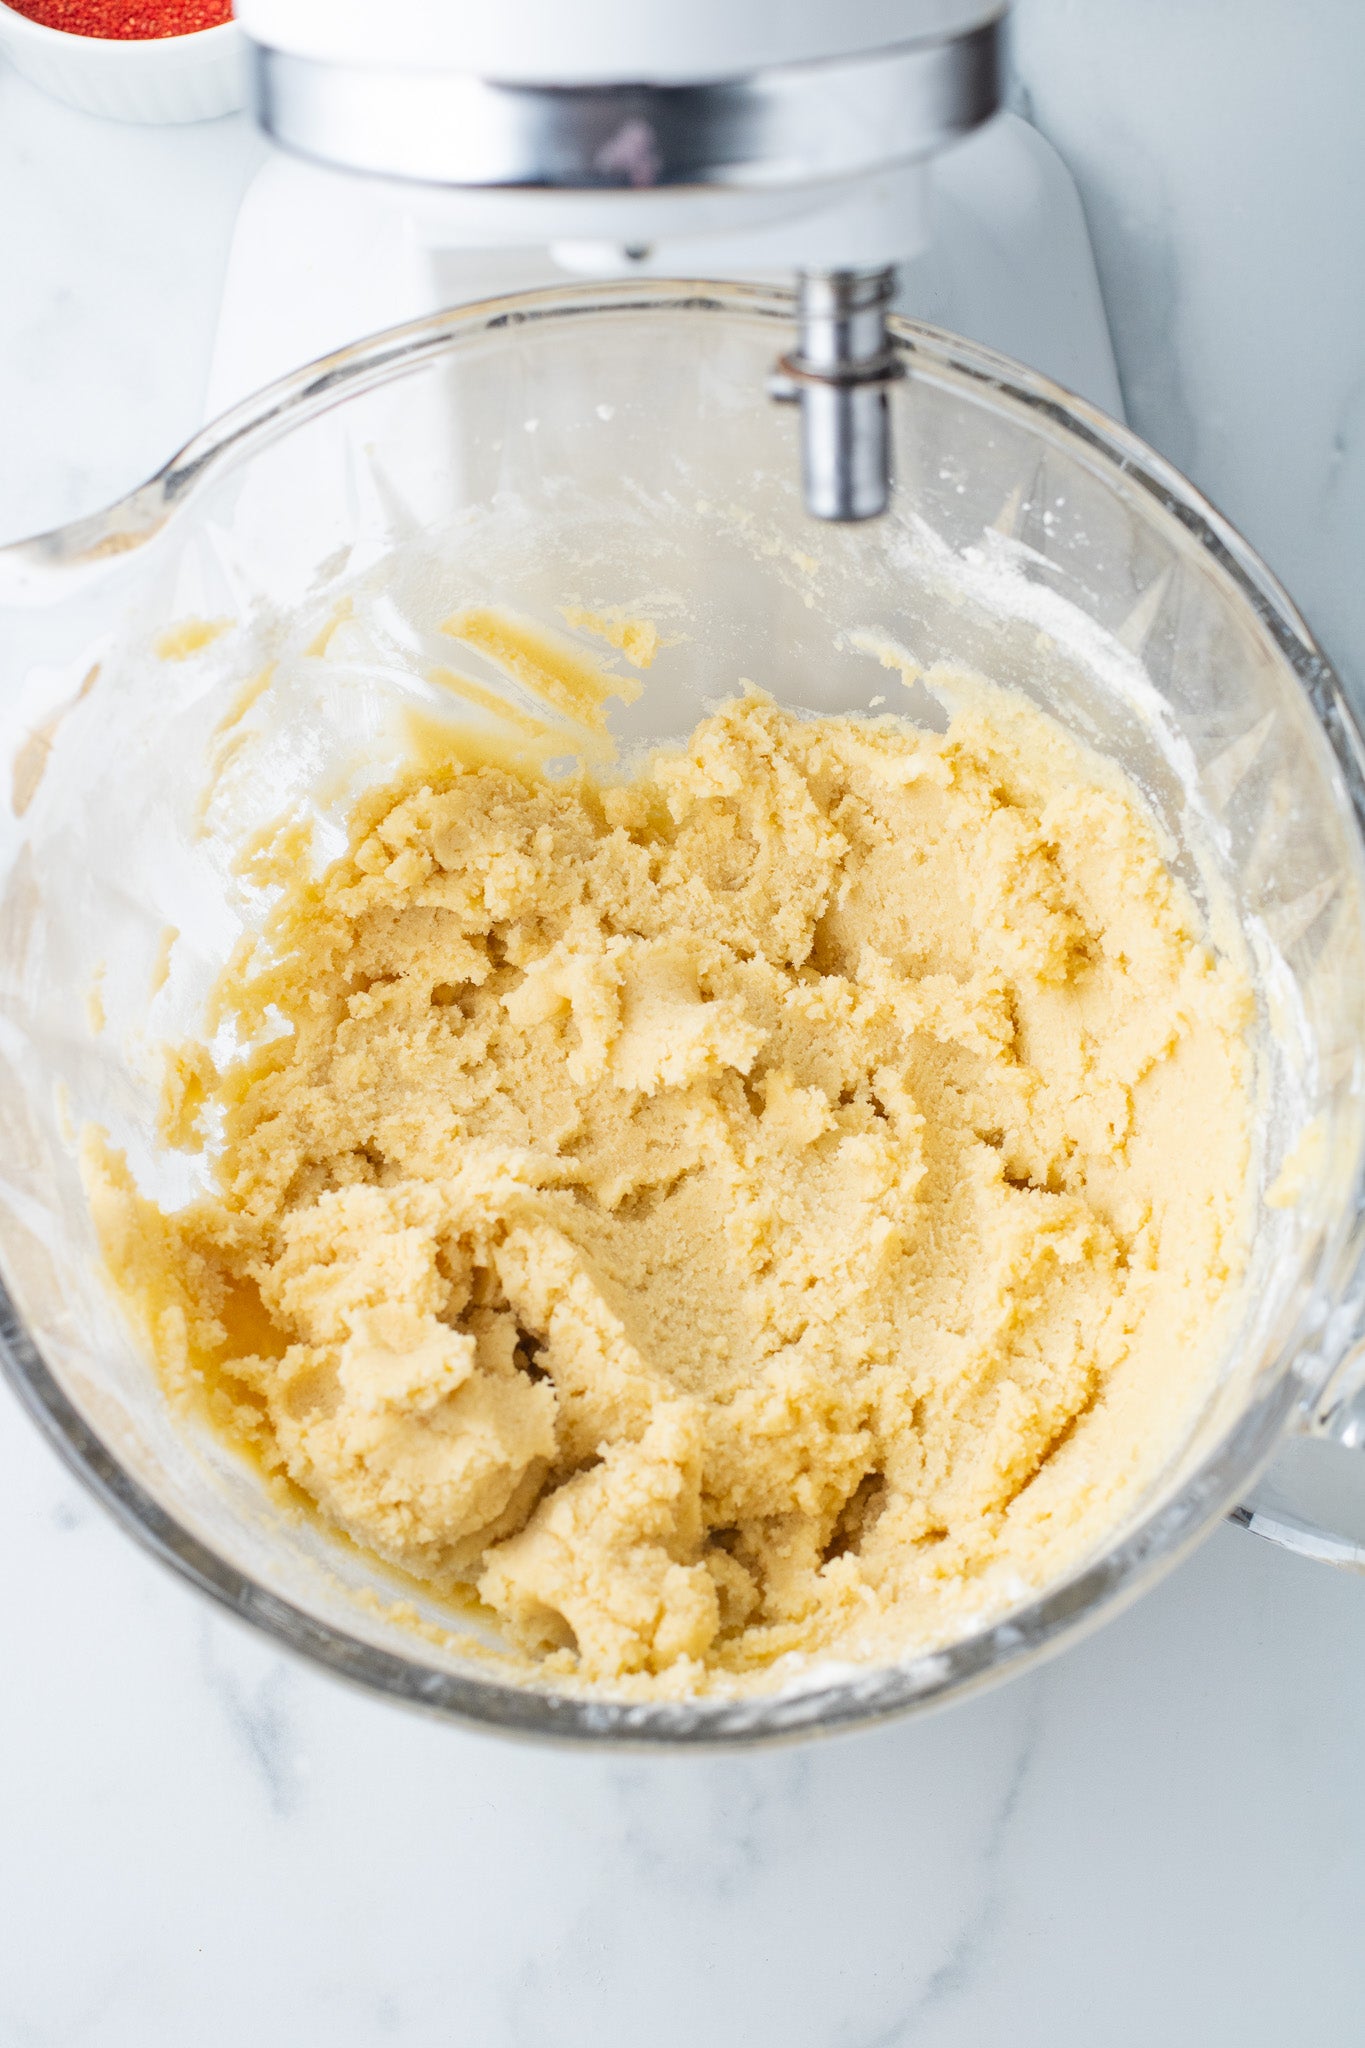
(970, 1952)
(256, 1705)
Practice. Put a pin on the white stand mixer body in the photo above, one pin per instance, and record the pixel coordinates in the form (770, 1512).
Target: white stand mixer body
(991, 235)
(570, 42)
(607, 131)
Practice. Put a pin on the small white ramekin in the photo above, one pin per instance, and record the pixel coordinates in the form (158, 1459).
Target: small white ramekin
(152, 79)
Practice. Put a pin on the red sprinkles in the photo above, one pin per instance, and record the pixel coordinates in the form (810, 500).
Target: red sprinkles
(126, 20)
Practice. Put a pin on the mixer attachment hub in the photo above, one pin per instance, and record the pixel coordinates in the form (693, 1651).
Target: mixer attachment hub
(838, 374)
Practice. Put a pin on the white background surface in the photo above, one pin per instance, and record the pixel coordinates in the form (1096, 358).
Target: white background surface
(1159, 1839)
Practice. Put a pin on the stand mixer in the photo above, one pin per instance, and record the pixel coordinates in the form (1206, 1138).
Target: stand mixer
(438, 155)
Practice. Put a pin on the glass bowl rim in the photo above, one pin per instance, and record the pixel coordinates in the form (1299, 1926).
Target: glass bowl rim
(847, 1697)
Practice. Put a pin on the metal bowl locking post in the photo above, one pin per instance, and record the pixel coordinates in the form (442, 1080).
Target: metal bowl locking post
(838, 374)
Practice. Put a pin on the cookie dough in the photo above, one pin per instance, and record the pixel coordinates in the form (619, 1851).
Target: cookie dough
(778, 1205)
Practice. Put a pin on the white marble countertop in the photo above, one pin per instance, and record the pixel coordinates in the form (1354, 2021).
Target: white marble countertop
(1159, 1838)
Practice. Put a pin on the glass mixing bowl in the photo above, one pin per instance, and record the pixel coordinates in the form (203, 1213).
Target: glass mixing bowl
(609, 447)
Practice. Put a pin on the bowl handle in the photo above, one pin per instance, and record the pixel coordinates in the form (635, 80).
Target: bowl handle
(1312, 1499)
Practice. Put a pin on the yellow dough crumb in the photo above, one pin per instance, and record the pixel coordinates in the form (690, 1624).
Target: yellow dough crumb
(638, 639)
(177, 643)
(781, 1203)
